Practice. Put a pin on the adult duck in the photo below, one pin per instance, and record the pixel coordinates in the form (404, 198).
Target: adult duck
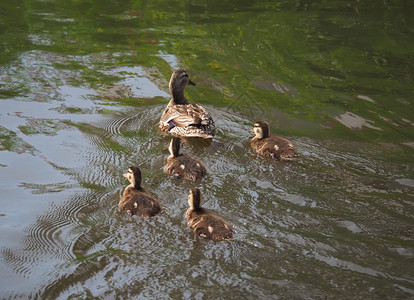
(182, 118)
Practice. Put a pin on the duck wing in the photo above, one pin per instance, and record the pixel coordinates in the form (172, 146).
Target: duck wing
(185, 115)
(187, 120)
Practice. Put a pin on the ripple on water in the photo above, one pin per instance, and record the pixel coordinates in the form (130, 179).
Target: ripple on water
(115, 126)
(110, 145)
(294, 222)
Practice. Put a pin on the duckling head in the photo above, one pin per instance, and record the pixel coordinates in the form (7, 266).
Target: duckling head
(195, 199)
(175, 147)
(261, 129)
(179, 80)
(134, 176)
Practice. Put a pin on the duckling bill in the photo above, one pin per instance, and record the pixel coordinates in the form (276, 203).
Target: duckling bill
(271, 146)
(182, 118)
(204, 223)
(134, 200)
(181, 165)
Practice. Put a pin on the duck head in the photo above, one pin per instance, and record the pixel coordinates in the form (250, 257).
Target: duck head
(195, 199)
(179, 80)
(134, 177)
(261, 129)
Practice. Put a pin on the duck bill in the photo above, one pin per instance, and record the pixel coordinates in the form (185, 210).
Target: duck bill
(190, 82)
(251, 130)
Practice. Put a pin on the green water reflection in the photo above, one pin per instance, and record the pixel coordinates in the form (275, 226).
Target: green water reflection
(82, 85)
(313, 61)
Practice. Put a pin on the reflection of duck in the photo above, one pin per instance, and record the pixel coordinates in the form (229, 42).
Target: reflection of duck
(182, 118)
(181, 165)
(273, 146)
(204, 223)
(134, 200)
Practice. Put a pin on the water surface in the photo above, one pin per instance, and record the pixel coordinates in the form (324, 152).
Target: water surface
(82, 86)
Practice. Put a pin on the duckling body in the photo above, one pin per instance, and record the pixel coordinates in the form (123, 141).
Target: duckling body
(181, 165)
(182, 118)
(204, 223)
(134, 200)
(271, 146)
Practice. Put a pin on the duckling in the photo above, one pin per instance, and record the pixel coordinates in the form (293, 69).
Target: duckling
(135, 201)
(273, 146)
(180, 117)
(204, 223)
(181, 165)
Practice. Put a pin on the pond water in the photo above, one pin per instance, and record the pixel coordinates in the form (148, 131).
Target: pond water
(82, 87)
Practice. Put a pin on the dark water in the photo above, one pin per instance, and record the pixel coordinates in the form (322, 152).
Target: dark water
(82, 86)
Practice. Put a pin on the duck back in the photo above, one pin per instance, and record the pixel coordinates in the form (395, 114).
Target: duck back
(208, 225)
(191, 120)
(275, 146)
(138, 202)
(185, 167)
